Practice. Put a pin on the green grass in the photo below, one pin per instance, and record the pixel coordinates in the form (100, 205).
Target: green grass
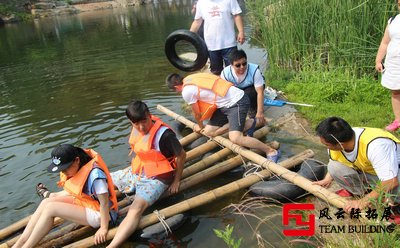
(323, 53)
(360, 101)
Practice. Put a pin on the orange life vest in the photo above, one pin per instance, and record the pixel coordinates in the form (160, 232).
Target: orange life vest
(75, 184)
(147, 158)
(209, 82)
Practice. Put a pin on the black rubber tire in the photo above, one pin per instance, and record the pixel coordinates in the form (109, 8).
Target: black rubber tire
(192, 38)
(280, 190)
(157, 231)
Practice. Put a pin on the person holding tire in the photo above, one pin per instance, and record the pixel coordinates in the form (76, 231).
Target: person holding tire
(219, 17)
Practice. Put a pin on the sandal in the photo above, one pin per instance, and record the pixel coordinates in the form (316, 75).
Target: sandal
(274, 158)
(393, 126)
(252, 129)
(42, 191)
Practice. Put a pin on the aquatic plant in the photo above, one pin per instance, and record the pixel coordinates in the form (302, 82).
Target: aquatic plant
(226, 236)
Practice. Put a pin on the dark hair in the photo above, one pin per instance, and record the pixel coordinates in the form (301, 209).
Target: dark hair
(84, 158)
(236, 54)
(334, 130)
(137, 111)
(173, 80)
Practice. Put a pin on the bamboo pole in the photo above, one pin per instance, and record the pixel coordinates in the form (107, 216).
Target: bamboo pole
(191, 203)
(205, 162)
(293, 177)
(229, 165)
(189, 138)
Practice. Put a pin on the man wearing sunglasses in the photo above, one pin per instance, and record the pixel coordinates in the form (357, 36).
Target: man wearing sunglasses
(361, 160)
(248, 77)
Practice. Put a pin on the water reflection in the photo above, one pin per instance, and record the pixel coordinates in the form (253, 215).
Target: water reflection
(69, 79)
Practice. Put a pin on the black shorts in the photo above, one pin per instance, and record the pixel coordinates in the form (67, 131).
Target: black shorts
(235, 115)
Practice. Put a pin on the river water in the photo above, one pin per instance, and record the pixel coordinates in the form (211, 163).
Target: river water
(69, 79)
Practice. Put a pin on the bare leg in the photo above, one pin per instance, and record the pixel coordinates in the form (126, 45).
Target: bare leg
(213, 131)
(130, 222)
(35, 217)
(396, 104)
(66, 210)
(238, 138)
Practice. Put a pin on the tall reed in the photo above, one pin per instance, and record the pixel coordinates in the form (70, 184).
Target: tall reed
(321, 34)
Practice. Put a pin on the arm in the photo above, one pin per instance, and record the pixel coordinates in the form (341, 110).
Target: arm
(101, 234)
(382, 153)
(324, 182)
(180, 161)
(197, 115)
(260, 105)
(384, 186)
(382, 51)
(196, 25)
(239, 25)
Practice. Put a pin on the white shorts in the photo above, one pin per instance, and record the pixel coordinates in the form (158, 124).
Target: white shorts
(93, 217)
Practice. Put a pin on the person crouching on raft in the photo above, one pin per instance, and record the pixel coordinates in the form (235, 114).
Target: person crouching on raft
(224, 105)
(88, 197)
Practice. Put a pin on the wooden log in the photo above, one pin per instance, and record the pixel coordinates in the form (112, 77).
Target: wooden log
(186, 205)
(293, 177)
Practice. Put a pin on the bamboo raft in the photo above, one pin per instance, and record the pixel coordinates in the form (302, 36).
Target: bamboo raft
(194, 174)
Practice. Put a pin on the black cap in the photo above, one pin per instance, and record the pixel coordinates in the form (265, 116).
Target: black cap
(62, 157)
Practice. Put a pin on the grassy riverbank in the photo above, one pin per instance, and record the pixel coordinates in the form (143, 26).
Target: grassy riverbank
(323, 52)
(15, 8)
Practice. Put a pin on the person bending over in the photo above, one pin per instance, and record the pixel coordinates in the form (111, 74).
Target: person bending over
(211, 97)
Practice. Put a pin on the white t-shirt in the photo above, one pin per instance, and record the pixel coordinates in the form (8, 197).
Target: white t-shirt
(383, 154)
(100, 186)
(219, 29)
(258, 77)
(190, 95)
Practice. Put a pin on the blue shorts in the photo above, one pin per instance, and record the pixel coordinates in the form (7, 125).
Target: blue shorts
(149, 189)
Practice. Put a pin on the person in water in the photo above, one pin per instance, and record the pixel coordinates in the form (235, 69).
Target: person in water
(88, 197)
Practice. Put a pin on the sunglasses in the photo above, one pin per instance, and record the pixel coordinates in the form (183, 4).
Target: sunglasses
(244, 64)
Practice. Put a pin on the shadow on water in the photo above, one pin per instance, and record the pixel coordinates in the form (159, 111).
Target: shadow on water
(68, 80)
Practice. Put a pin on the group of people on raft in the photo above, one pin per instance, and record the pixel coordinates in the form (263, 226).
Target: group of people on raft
(363, 161)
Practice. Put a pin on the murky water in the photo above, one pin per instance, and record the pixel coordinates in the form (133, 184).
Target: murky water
(69, 79)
